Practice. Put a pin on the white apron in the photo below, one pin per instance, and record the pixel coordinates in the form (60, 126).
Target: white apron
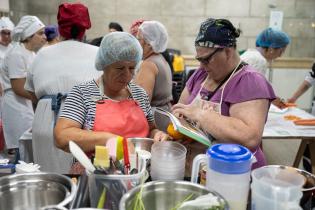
(17, 115)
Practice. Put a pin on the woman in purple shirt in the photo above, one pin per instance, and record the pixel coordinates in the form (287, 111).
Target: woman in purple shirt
(225, 96)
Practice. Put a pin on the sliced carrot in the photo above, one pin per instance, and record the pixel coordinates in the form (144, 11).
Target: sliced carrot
(291, 117)
(290, 104)
(305, 122)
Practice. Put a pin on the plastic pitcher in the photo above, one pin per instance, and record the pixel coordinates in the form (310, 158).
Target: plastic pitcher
(228, 172)
(276, 187)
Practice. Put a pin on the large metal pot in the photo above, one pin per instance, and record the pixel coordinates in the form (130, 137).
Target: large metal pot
(34, 191)
(162, 195)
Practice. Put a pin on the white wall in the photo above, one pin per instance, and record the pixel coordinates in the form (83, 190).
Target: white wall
(286, 81)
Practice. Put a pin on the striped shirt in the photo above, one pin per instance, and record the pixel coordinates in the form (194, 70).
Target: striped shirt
(80, 104)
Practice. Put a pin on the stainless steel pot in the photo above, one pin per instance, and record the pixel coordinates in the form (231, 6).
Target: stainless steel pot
(164, 195)
(34, 191)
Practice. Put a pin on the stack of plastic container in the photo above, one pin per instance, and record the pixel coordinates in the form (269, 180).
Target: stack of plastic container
(168, 161)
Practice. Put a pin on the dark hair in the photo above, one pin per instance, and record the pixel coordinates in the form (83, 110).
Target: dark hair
(115, 26)
(75, 31)
(312, 73)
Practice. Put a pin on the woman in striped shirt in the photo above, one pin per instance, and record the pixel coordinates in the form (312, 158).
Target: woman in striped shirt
(110, 106)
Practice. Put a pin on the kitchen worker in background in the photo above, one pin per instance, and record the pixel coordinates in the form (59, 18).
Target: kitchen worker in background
(308, 82)
(111, 105)
(17, 110)
(55, 70)
(52, 34)
(270, 45)
(226, 97)
(114, 26)
(6, 27)
(155, 74)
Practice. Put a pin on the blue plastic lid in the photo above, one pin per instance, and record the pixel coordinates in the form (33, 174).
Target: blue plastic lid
(229, 158)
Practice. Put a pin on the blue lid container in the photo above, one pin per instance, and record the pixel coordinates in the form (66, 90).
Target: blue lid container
(229, 158)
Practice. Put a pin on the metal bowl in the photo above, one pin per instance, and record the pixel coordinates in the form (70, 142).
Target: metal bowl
(34, 191)
(141, 143)
(159, 195)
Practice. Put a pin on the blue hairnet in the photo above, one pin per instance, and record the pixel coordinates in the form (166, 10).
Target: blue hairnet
(272, 38)
(118, 46)
(51, 32)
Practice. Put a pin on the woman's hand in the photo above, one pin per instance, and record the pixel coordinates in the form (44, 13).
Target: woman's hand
(189, 111)
(160, 136)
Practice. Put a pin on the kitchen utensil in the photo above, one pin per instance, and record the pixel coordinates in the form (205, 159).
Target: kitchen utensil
(228, 167)
(126, 156)
(78, 153)
(116, 185)
(36, 190)
(158, 195)
(276, 188)
(308, 190)
(141, 143)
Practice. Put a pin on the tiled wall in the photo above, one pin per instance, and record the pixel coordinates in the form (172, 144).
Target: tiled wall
(182, 18)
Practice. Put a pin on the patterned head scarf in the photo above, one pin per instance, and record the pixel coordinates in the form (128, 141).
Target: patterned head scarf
(73, 20)
(217, 33)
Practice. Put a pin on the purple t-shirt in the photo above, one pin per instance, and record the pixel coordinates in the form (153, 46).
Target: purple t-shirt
(246, 85)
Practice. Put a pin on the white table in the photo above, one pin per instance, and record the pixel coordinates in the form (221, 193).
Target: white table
(279, 128)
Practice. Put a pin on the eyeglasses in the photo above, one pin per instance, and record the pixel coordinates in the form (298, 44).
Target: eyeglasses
(205, 60)
(8, 33)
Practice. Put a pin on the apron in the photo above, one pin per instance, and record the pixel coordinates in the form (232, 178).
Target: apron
(17, 116)
(195, 148)
(124, 118)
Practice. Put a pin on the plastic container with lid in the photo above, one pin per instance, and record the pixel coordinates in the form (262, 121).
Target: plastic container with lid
(228, 172)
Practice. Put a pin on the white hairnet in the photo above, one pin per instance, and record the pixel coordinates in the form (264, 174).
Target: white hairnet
(117, 46)
(27, 26)
(6, 24)
(155, 34)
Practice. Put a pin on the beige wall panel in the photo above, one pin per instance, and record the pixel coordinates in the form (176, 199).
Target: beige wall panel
(183, 7)
(226, 8)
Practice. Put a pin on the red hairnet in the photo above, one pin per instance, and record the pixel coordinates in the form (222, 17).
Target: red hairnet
(71, 17)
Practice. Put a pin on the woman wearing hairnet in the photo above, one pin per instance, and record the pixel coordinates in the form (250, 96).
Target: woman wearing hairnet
(270, 44)
(155, 75)
(111, 105)
(55, 70)
(17, 113)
